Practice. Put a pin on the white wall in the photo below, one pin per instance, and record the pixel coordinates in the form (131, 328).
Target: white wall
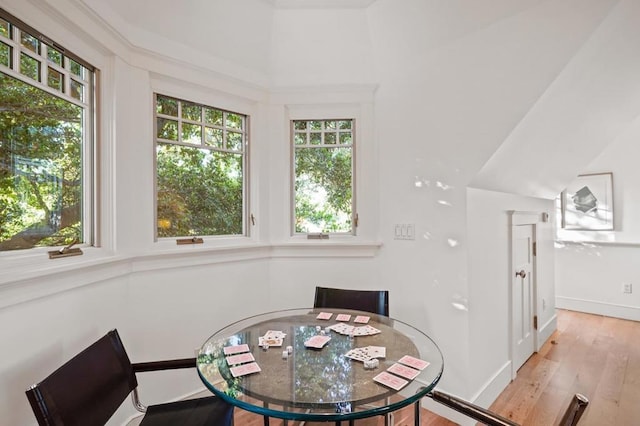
(450, 87)
(490, 278)
(164, 300)
(594, 265)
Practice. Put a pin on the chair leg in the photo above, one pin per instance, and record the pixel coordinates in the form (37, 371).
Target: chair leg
(574, 410)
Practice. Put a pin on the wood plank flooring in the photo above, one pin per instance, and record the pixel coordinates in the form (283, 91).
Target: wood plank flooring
(594, 355)
(589, 354)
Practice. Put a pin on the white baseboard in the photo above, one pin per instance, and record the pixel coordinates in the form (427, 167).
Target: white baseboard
(493, 387)
(484, 397)
(547, 330)
(135, 419)
(599, 308)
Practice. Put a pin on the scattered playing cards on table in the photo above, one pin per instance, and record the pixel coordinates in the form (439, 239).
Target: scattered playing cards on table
(240, 358)
(366, 353)
(341, 328)
(317, 342)
(376, 351)
(347, 330)
(244, 369)
(413, 362)
(394, 382)
(343, 317)
(365, 330)
(357, 354)
(362, 319)
(236, 349)
(404, 371)
(272, 338)
(324, 315)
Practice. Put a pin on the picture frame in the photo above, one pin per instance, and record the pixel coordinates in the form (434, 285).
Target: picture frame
(587, 203)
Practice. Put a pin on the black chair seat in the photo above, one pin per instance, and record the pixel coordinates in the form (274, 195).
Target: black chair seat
(208, 411)
(374, 301)
(89, 388)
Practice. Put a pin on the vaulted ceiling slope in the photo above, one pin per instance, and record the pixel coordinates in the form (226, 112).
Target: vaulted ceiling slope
(592, 102)
(518, 96)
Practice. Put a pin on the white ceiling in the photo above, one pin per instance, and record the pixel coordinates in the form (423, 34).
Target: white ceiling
(537, 87)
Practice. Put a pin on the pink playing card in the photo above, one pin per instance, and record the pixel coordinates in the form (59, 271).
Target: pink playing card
(404, 371)
(394, 382)
(230, 350)
(240, 358)
(324, 315)
(244, 369)
(343, 317)
(413, 362)
(362, 319)
(317, 341)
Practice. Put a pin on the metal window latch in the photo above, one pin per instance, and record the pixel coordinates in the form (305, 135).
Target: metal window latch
(66, 251)
(193, 240)
(318, 236)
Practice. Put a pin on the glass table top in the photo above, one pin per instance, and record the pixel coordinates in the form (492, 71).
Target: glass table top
(317, 384)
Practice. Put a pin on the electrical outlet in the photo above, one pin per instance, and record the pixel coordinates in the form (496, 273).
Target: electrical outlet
(627, 288)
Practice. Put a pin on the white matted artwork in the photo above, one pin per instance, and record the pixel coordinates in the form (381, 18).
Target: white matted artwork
(587, 204)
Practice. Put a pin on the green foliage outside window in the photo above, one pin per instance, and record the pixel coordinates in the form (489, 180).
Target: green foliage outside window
(40, 167)
(200, 169)
(323, 176)
(199, 192)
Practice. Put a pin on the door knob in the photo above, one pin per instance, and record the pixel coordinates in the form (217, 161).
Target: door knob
(521, 274)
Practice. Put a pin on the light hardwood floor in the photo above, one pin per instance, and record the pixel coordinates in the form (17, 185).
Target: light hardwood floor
(594, 355)
(589, 354)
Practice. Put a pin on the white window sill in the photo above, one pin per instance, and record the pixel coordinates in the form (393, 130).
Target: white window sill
(302, 247)
(30, 275)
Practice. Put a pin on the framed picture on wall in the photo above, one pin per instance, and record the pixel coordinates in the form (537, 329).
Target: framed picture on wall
(587, 203)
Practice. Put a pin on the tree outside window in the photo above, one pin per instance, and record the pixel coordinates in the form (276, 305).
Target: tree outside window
(44, 141)
(323, 176)
(201, 167)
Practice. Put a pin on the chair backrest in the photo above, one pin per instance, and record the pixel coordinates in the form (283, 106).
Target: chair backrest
(374, 301)
(87, 389)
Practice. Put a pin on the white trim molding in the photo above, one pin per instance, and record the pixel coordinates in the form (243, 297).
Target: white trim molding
(599, 308)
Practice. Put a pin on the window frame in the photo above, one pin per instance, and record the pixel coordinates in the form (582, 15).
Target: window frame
(330, 103)
(353, 146)
(247, 216)
(89, 105)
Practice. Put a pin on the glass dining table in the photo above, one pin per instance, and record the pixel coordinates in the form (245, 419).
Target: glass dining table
(320, 364)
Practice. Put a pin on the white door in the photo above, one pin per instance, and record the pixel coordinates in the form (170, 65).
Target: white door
(522, 294)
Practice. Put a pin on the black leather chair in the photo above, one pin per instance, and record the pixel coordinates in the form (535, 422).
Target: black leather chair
(88, 389)
(374, 301)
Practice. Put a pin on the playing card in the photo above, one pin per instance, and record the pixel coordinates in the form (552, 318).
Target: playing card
(376, 351)
(244, 369)
(362, 319)
(271, 342)
(342, 328)
(236, 349)
(358, 354)
(324, 315)
(365, 330)
(413, 362)
(240, 358)
(404, 371)
(274, 334)
(317, 342)
(394, 382)
(343, 317)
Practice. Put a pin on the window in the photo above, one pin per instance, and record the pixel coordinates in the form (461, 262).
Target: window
(201, 169)
(46, 141)
(323, 176)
